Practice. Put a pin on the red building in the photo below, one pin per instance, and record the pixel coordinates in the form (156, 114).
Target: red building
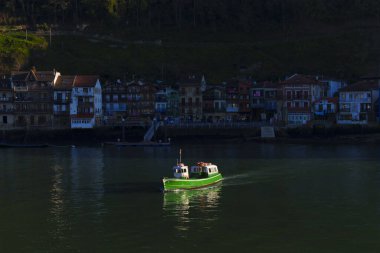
(140, 101)
(238, 100)
(299, 94)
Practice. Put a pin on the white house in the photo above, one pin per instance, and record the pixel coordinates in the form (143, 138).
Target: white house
(333, 86)
(357, 101)
(86, 105)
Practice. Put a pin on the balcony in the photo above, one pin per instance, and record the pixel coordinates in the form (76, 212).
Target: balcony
(194, 105)
(6, 99)
(85, 104)
(23, 99)
(161, 110)
(257, 106)
(62, 101)
(8, 110)
(214, 110)
(214, 97)
(232, 109)
(298, 109)
(62, 113)
(32, 111)
(33, 99)
(325, 112)
(21, 88)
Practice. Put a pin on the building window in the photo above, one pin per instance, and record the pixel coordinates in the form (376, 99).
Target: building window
(5, 120)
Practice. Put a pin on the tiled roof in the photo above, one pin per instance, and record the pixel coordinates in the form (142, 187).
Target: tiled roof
(44, 76)
(85, 81)
(364, 85)
(83, 116)
(136, 83)
(300, 79)
(267, 85)
(20, 75)
(64, 83)
(215, 86)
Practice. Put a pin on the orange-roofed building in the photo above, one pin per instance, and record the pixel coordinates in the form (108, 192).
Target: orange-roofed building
(61, 101)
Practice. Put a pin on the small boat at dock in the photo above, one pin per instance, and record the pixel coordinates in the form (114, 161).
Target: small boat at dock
(201, 175)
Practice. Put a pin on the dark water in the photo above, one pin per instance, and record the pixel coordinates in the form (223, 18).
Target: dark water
(275, 198)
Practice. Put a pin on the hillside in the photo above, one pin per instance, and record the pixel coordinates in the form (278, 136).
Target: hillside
(16, 47)
(341, 51)
(265, 39)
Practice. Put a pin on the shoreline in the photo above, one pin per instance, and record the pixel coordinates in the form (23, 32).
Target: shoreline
(99, 136)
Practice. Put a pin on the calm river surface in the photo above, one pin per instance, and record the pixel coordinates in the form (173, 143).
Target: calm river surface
(275, 198)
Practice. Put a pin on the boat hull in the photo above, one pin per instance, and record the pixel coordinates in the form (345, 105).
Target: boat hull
(175, 184)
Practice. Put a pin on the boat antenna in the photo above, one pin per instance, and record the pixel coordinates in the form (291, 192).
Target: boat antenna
(180, 154)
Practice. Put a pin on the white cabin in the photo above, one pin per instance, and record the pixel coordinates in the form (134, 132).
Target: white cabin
(203, 167)
(181, 171)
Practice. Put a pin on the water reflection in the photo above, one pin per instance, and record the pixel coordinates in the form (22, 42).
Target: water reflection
(189, 206)
(87, 178)
(57, 203)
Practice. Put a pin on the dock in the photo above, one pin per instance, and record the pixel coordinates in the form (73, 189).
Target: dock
(138, 144)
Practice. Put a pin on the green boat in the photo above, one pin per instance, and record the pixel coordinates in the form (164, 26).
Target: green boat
(201, 175)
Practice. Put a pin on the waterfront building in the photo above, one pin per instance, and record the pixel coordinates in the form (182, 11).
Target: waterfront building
(86, 105)
(62, 100)
(214, 103)
(377, 108)
(299, 94)
(357, 102)
(238, 100)
(326, 109)
(6, 103)
(266, 101)
(166, 103)
(33, 97)
(140, 102)
(190, 98)
(115, 103)
(332, 85)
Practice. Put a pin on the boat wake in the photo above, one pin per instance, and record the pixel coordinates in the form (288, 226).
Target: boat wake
(239, 179)
(257, 176)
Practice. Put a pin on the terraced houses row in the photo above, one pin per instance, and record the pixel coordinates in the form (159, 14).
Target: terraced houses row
(47, 99)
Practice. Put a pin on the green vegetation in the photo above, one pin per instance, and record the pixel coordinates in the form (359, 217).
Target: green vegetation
(347, 53)
(265, 39)
(15, 49)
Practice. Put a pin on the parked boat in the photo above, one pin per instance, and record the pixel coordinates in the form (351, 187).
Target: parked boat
(200, 175)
